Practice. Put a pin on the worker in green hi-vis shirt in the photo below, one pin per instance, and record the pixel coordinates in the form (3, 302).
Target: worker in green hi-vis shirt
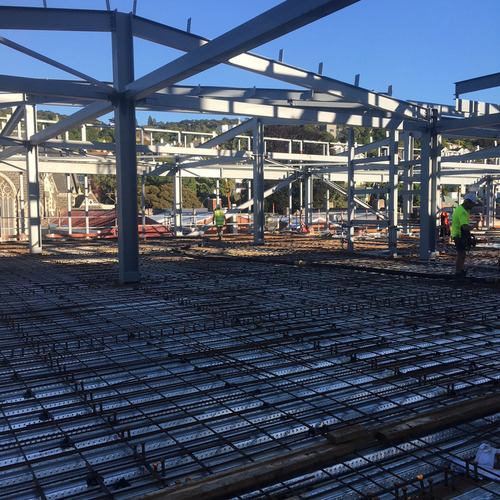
(219, 220)
(460, 231)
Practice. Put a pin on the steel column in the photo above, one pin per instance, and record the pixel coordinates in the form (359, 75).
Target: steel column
(393, 192)
(22, 206)
(290, 205)
(408, 184)
(301, 196)
(258, 182)
(308, 199)
(177, 202)
(429, 193)
(86, 187)
(34, 229)
(489, 202)
(69, 203)
(143, 202)
(351, 207)
(126, 160)
(327, 210)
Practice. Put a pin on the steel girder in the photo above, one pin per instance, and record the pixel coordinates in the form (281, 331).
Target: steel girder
(171, 37)
(480, 83)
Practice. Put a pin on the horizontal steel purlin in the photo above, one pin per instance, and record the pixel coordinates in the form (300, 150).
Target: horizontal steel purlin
(118, 391)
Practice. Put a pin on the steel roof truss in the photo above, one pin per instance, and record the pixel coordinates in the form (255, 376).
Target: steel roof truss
(285, 17)
(172, 37)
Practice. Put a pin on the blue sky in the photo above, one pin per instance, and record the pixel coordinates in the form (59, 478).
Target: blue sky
(419, 47)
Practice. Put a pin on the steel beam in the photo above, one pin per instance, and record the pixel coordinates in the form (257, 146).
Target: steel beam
(49, 90)
(482, 154)
(24, 18)
(447, 125)
(288, 113)
(479, 83)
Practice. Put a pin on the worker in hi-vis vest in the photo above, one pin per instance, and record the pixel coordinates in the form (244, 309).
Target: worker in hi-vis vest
(219, 220)
(460, 231)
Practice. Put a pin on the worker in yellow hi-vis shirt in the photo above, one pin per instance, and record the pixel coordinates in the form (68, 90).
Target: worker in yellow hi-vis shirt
(219, 220)
(460, 231)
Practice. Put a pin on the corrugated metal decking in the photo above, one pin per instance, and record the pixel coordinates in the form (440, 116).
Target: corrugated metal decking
(113, 391)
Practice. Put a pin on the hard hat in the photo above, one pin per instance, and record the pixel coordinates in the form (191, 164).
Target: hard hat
(471, 197)
(218, 207)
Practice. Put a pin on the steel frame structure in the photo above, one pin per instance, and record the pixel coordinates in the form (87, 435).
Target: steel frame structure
(323, 100)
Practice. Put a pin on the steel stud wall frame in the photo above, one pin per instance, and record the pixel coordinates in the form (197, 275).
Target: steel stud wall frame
(324, 100)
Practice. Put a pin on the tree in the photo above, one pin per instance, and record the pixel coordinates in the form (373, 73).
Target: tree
(104, 188)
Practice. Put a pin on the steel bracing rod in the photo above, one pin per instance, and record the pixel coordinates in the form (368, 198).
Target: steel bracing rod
(49, 90)
(483, 180)
(11, 125)
(52, 62)
(479, 83)
(226, 136)
(23, 18)
(7, 141)
(268, 67)
(286, 17)
(357, 200)
(267, 193)
(11, 151)
(367, 147)
(90, 112)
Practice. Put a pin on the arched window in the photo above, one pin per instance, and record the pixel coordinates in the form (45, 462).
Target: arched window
(7, 208)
